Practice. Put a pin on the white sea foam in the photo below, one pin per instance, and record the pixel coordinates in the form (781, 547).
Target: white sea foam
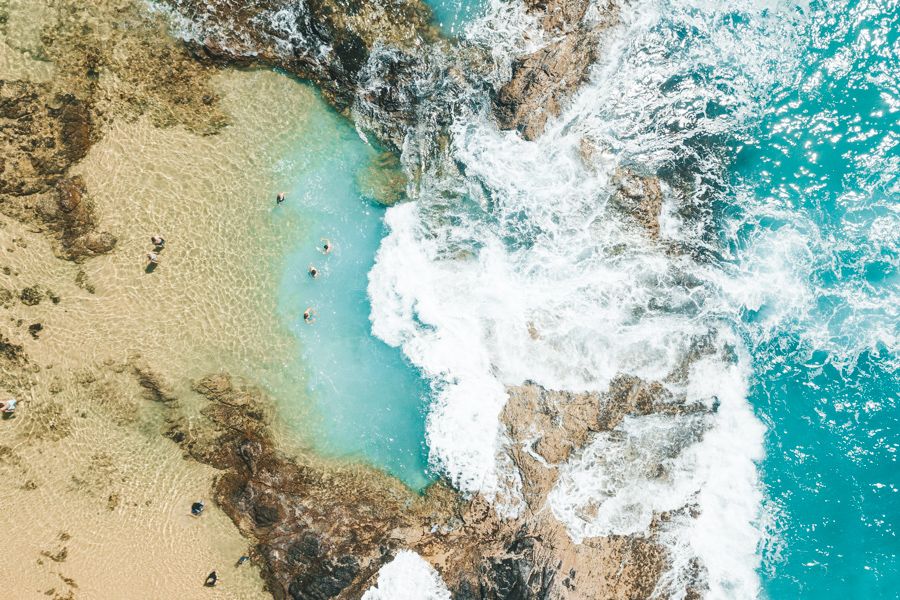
(519, 269)
(408, 577)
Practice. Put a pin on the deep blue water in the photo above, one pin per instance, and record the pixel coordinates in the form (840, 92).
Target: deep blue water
(819, 191)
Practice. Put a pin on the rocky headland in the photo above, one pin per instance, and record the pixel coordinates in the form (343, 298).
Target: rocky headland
(323, 530)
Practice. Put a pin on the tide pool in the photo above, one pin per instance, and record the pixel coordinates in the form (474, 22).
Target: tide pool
(368, 401)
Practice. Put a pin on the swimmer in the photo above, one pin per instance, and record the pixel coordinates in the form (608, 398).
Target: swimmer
(281, 197)
(308, 315)
(153, 257)
(158, 241)
(326, 246)
(313, 272)
(211, 579)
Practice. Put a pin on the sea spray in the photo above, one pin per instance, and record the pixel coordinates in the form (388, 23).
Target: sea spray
(527, 272)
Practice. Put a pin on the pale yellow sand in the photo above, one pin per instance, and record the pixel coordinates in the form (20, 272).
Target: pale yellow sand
(83, 466)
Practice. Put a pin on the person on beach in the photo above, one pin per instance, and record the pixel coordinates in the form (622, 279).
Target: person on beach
(313, 272)
(197, 508)
(158, 241)
(326, 245)
(153, 257)
(281, 197)
(8, 407)
(308, 315)
(211, 579)
(242, 560)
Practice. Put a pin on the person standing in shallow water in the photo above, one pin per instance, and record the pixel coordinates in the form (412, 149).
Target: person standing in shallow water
(281, 197)
(313, 272)
(326, 246)
(308, 315)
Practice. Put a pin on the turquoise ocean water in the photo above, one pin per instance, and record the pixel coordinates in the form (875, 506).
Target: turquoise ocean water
(817, 186)
(807, 211)
(453, 15)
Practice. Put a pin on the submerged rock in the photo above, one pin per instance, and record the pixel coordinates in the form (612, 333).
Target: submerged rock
(42, 133)
(110, 60)
(32, 295)
(383, 180)
(640, 198)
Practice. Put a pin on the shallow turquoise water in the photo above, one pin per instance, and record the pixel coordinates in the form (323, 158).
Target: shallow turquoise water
(369, 400)
(452, 15)
(822, 169)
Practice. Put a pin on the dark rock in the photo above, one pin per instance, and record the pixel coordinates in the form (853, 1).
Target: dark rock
(264, 515)
(156, 389)
(41, 135)
(280, 33)
(11, 352)
(324, 580)
(323, 531)
(31, 296)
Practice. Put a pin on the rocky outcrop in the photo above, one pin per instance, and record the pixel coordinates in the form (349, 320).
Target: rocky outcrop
(338, 44)
(542, 81)
(328, 42)
(323, 530)
(42, 134)
(320, 531)
(639, 198)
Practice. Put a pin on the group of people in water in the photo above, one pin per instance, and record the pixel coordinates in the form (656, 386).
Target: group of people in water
(158, 244)
(213, 578)
(309, 315)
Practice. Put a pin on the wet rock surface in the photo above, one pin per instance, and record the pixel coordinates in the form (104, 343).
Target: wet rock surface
(323, 530)
(325, 41)
(640, 198)
(373, 56)
(544, 80)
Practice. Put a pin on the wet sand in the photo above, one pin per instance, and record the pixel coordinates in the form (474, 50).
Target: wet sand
(95, 501)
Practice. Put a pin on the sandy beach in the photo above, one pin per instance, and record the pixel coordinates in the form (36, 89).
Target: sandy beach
(95, 501)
